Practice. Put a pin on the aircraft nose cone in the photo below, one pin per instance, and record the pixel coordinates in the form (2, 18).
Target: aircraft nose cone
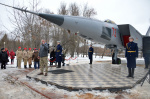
(56, 19)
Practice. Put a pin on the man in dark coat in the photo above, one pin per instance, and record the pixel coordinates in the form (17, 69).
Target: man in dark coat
(58, 54)
(90, 53)
(131, 54)
(52, 57)
(3, 58)
(43, 56)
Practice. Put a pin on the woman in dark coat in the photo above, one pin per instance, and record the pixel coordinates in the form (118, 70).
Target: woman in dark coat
(52, 57)
(131, 55)
(3, 58)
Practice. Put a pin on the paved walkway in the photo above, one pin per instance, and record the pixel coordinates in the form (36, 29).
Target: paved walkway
(98, 76)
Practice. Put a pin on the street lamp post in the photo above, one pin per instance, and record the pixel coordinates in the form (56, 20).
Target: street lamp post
(76, 51)
(4, 44)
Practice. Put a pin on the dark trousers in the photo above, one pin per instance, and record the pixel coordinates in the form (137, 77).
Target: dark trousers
(63, 60)
(35, 65)
(59, 64)
(51, 63)
(63, 63)
(131, 72)
(12, 61)
(90, 61)
(3, 65)
(147, 61)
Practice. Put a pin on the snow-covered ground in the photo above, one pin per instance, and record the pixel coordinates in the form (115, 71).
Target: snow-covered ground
(14, 89)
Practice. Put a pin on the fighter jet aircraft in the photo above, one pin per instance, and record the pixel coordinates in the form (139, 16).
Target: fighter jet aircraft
(107, 32)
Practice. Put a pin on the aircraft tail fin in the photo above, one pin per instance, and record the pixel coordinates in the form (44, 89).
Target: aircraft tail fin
(148, 32)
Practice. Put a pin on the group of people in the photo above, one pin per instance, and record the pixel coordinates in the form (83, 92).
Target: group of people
(131, 54)
(41, 57)
(27, 57)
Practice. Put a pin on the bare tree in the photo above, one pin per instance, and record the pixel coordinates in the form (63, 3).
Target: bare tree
(71, 42)
(27, 26)
(30, 28)
(88, 12)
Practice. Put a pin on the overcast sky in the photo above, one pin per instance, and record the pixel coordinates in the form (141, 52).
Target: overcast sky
(134, 12)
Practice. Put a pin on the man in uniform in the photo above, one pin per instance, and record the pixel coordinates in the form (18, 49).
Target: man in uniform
(25, 57)
(19, 57)
(131, 54)
(90, 53)
(43, 55)
(58, 54)
(30, 53)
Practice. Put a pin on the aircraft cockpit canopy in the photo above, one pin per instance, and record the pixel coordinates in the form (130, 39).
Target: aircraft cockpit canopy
(110, 21)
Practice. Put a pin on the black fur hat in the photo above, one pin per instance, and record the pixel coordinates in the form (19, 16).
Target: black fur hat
(2, 49)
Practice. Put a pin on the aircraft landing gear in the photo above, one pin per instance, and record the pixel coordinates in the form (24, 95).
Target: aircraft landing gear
(115, 60)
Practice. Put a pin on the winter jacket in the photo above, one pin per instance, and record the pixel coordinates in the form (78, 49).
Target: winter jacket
(35, 56)
(43, 50)
(3, 57)
(19, 54)
(58, 53)
(90, 53)
(7, 52)
(12, 54)
(131, 54)
(52, 55)
(30, 53)
(25, 54)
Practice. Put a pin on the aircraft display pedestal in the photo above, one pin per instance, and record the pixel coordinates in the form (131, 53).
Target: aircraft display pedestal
(96, 77)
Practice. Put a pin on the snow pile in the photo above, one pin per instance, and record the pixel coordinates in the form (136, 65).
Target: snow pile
(139, 92)
(13, 89)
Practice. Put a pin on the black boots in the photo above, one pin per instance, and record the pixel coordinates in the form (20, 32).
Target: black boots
(63, 64)
(25, 66)
(131, 72)
(90, 61)
(59, 65)
(30, 66)
(40, 73)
